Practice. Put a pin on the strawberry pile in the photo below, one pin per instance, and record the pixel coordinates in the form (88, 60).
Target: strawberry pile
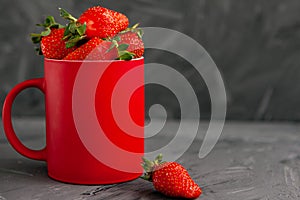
(98, 34)
(170, 178)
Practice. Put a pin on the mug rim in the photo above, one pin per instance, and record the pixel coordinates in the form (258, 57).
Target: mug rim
(75, 61)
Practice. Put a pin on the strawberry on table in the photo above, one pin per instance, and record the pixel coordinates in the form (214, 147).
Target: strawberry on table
(170, 178)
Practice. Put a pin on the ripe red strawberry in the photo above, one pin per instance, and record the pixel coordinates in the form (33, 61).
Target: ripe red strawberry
(53, 46)
(129, 43)
(136, 45)
(94, 49)
(102, 22)
(170, 178)
(51, 41)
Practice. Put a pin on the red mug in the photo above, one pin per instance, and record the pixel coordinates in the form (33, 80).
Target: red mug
(94, 120)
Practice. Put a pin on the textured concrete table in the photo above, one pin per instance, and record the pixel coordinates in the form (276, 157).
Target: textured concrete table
(252, 161)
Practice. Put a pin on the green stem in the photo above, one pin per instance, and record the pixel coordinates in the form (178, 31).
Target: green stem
(66, 15)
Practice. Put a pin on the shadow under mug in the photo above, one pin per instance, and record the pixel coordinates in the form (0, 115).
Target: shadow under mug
(94, 120)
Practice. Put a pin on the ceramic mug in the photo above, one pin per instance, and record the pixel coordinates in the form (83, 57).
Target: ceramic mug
(94, 120)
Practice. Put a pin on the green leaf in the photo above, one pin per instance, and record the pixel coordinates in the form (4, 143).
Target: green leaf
(64, 14)
(146, 168)
(81, 29)
(117, 38)
(140, 33)
(49, 21)
(72, 28)
(125, 56)
(123, 47)
(73, 40)
(67, 31)
(35, 38)
(147, 162)
(113, 45)
(61, 26)
(56, 26)
(70, 44)
(46, 32)
(74, 32)
(38, 51)
(135, 26)
(158, 158)
(147, 177)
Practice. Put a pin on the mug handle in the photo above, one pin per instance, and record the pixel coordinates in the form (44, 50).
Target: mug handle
(7, 120)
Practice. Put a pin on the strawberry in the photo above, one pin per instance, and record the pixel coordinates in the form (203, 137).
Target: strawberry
(102, 22)
(129, 43)
(135, 43)
(93, 49)
(170, 178)
(94, 22)
(53, 46)
(51, 42)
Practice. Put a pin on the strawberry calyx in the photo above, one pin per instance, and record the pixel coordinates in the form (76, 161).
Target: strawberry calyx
(134, 29)
(122, 48)
(150, 166)
(48, 25)
(75, 31)
(123, 54)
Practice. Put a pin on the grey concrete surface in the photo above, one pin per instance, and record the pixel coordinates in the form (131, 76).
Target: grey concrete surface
(254, 43)
(251, 161)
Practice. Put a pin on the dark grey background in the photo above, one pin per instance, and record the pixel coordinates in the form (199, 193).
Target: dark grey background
(255, 45)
